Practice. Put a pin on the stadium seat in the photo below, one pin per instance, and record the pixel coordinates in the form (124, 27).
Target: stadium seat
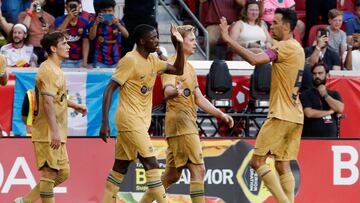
(219, 85)
(312, 33)
(300, 9)
(297, 35)
(260, 82)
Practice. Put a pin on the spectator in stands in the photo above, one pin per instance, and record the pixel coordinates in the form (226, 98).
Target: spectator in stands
(250, 32)
(3, 74)
(337, 37)
(39, 23)
(18, 52)
(321, 106)
(215, 9)
(137, 12)
(12, 8)
(351, 57)
(5, 25)
(353, 24)
(321, 52)
(315, 9)
(107, 32)
(269, 7)
(77, 29)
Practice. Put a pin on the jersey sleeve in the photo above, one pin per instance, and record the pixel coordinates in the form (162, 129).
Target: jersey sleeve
(47, 80)
(124, 70)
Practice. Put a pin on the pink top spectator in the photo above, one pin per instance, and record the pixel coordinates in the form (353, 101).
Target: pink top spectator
(271, 5)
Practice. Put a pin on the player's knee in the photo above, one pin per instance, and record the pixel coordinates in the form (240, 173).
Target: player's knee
(149, 163)
(255, 162)
(197, 172)
(121, 166)
(46, 187)
(62, 175)
(282, 167)
(170, 178)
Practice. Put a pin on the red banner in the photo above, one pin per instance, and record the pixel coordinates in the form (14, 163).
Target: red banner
(329, 170)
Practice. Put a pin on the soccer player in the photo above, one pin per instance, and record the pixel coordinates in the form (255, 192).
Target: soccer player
(182, 94)
(50, 124)
(281, 132)
(135, 77)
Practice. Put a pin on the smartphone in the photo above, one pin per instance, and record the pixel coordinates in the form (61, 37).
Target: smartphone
(107, 17)
(323, 32)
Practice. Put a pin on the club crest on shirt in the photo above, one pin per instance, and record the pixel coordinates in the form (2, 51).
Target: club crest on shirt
(101, 39)
(80, 30)
(115, 32)
(187, 92)
(144, 89)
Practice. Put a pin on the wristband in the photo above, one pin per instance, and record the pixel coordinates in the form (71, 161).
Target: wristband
(350, 47)
(326, 96)
(318, 48)
(29, 12)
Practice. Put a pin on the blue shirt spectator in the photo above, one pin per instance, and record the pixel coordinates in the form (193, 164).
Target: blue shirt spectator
(12, 8)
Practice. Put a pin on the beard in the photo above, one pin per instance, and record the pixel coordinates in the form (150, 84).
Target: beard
(18, 41)
(317, 82)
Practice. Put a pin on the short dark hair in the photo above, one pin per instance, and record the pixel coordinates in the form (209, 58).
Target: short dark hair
(102, 4)
(51, 39)
(141, 31)
(68, 1)
(288, 16)
(320, 63)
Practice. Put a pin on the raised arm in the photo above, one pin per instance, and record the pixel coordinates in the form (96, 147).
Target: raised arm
(107, 97)
(178, 67)
(250, 57)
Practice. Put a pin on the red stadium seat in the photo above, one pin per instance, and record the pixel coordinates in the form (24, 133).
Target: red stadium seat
(312, 33)
(300, 9)
(349, 5)
(297, 35)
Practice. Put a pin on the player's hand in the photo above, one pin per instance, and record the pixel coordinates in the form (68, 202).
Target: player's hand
(227, 119)
(73, 13)
(179, 88)
(55, 139)
(224, 29)
(81, 109)
(322, 90)
(104, 132)
(175, 34)
(115, 20)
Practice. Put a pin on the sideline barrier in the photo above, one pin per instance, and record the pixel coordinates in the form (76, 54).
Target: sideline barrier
(328, 172)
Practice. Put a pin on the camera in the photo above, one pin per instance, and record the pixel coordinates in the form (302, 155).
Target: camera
(37, 7)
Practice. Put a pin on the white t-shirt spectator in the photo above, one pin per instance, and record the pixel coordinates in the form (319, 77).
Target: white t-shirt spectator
(17, 57)
(355, 59)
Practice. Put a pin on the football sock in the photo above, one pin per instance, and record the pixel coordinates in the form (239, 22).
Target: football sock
(112, 186)
(155, 188)
(33, 195)
(46, 187)
(197, 191)
(287, 181)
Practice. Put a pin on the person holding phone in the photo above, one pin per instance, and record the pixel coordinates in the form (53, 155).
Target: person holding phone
(352, 55)
(76, 27)
(321, 52)
(107, 32)
(39, 23)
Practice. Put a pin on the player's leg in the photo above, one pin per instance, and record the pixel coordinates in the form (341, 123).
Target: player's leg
(195, 164)
(156, 190)
(288, 151)
(47, 184)
(287, 179)
(264, 146)
(122, 161)
(114, 179)
(197, 189)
